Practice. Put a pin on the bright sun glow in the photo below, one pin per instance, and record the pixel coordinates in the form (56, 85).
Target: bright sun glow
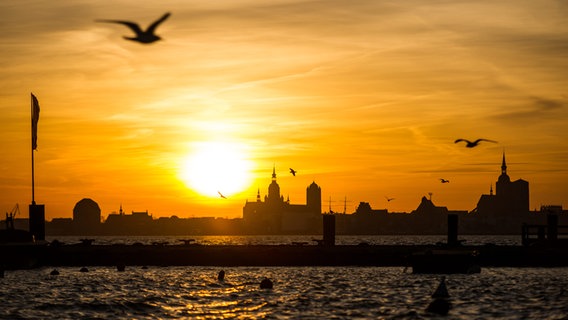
(217, 167)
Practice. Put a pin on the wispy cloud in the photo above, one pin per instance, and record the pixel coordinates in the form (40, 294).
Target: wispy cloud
(535, 111)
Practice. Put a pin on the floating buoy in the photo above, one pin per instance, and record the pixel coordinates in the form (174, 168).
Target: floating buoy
(266, 284)
(439, 306)
(54, 272)
(441, 291)
(84, 269)
(221, 275)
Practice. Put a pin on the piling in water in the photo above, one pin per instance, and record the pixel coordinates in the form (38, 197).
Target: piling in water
(552, 226)
(328, 230)
(453, 230)
(37, 221)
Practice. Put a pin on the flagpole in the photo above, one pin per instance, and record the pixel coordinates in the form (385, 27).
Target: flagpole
(32, 145)
(37, 211)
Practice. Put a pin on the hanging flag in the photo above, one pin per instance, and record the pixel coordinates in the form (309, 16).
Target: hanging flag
(35, 118)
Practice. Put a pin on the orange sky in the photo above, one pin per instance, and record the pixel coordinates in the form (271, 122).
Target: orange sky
(363, 97)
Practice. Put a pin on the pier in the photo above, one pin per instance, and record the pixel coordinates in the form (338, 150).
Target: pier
(31, 256)
(550, 234)
(549, 249)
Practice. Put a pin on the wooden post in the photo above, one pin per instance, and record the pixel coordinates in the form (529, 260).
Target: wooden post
(328, 230)
(552, 227)
(453, 229)
(37, 221)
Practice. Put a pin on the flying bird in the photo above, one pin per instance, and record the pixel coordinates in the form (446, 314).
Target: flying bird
(146, 36)
(470, 144)
(220, 194)
(293, 172)
(389, 199)
(444, 180)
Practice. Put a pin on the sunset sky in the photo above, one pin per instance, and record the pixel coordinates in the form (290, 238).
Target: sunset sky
(364, 97)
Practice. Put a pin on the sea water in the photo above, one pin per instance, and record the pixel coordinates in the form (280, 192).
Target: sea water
(288, 239)
(298, 293)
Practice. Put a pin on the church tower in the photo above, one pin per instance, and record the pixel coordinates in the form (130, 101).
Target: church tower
(512, 196)
(504, 181)
(313, 198)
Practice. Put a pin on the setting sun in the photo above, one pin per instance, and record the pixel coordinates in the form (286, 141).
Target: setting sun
(215, 168)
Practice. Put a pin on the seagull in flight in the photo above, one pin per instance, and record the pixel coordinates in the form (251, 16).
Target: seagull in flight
(221, 195)
(293, 172)
(444, 180)
(470, 144)
(146, 36)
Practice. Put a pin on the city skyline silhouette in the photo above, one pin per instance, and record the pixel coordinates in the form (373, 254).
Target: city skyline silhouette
(502, 210)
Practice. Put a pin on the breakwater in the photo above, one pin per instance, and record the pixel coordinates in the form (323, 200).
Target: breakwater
(29, 256)
(541, 249)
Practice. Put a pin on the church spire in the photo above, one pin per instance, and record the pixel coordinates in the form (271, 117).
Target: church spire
(274, 173)
(503, 178)
(504, 165)
(274, 189)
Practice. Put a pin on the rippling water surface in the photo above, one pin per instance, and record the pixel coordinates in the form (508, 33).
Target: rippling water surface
(298, 293)
(308, 239)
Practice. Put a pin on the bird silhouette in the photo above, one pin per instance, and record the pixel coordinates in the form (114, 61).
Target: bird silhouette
(470, 144)
(444, 180)
(146, 36)
(221, 195)
(389, 199)
(293, 172)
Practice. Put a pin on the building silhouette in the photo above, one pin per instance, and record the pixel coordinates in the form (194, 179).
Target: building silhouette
(87, 216)
(275, 215)
(431, 219)
(136, 223)
(427, 218)
(507, 207)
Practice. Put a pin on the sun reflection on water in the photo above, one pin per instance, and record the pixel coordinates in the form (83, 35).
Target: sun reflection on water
(299, 292)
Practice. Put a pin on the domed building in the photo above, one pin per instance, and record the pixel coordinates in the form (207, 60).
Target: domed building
(87, 216)
(275, 215)
(508, 208)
